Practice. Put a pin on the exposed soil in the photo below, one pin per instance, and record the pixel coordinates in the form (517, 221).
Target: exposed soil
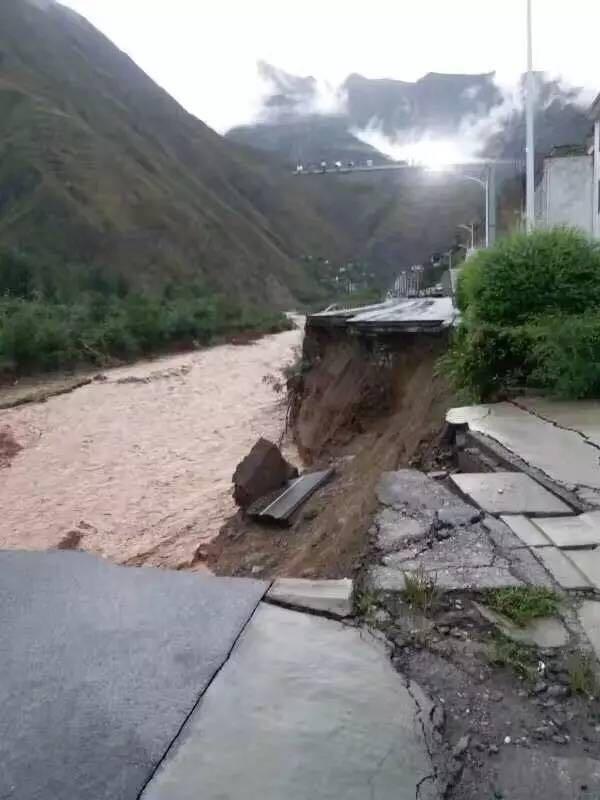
(450, 654)
(362, 411)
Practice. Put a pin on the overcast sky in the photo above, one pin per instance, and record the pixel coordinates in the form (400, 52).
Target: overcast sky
(204, 52)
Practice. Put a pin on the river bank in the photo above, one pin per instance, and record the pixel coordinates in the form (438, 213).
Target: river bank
(137, 468)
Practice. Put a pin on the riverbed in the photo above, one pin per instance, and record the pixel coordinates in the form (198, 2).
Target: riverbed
(137, 467)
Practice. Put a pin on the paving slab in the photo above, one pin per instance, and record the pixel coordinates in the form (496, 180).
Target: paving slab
(503, 493)
(329, 597)
(414, 492)
(562, 568)
(500, 534)
(388, 579)
(518, 769)
(588, 563)
(544, 632)
(395, 529)
(564, 455)
(100, 667)
(526, 565)
(467, 548)
(305, 709)
(589, 617)
(526, 529)
(568, 532)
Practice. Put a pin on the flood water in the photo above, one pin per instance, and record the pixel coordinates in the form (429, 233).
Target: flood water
(138, 468)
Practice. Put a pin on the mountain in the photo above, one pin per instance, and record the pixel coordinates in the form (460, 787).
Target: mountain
(100, 166)
(290, 125)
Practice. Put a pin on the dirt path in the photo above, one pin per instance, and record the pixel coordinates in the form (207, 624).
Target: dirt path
(138, 468)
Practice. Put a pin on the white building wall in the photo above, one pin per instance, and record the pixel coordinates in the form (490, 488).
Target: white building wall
(564, 196)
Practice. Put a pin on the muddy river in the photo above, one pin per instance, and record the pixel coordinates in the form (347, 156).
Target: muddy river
(137, 468)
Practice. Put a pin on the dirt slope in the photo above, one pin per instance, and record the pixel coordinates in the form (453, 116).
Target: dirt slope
(364, 413)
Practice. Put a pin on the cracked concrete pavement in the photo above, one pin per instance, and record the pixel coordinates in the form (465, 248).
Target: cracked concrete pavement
(123, 682)
(305, 708)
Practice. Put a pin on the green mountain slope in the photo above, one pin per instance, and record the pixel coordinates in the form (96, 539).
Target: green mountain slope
(100, 166)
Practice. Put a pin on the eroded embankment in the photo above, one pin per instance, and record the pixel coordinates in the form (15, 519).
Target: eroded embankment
(366, 406)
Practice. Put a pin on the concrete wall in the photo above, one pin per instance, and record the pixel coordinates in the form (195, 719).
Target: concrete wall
(564, 195)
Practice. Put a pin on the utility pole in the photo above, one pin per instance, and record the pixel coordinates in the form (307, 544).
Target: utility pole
(529, 118)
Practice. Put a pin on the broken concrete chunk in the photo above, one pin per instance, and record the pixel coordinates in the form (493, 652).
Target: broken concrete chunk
(544, 632)
(413, 492)
(263, 470)
(509, 493)
(394, 529)
(333, 597)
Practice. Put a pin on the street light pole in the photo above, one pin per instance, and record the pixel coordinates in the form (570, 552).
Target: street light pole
(471, 229)
(486, 186)
(529, 119)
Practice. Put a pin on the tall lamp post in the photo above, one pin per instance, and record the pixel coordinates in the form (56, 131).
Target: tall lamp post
(486, 187)
(529, 121)
(471, 229)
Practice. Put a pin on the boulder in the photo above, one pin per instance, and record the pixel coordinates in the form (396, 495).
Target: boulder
(262, 471)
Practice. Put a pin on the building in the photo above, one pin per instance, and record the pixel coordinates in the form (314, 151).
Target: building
(568, 186)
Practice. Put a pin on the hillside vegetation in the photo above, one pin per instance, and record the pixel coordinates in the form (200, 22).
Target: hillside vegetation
(100, 167)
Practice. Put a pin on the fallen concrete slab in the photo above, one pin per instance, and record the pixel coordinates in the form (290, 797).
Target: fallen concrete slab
(333, 598)
(305, 709)
(101, 666)
(503, 493)
(281, 507)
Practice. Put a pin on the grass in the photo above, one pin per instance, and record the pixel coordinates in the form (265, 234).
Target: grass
(521, 604)
(521, 659)
(582, 674)
(421, 590)
(365, 603)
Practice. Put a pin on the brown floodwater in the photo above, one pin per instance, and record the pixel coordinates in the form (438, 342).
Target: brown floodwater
(137, 468)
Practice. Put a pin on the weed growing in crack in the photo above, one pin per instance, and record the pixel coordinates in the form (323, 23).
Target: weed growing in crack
(582, 674)
(521, 604)
(421, 590)
(365, 603)
(506, 653)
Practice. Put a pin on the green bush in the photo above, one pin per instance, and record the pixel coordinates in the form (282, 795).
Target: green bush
(531, 317)
(565, 352)
(105, 320)
(526, 275)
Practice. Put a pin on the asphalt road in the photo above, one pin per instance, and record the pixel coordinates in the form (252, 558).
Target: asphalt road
(100, 667)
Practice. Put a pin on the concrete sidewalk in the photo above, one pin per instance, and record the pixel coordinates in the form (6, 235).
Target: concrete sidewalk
(104, 666)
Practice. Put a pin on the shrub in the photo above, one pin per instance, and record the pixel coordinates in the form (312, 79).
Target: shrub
(566, 354)
(526, 275)
(531, 317)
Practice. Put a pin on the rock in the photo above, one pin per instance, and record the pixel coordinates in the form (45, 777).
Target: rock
(493, 749)
(444, 629)
(381, 616)
(543, 732)
(438, 717)
(558, 691)
(560, 739)
(263, 470)
(461, 746)
(496, 697)
(438, 475)
(539, 687)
